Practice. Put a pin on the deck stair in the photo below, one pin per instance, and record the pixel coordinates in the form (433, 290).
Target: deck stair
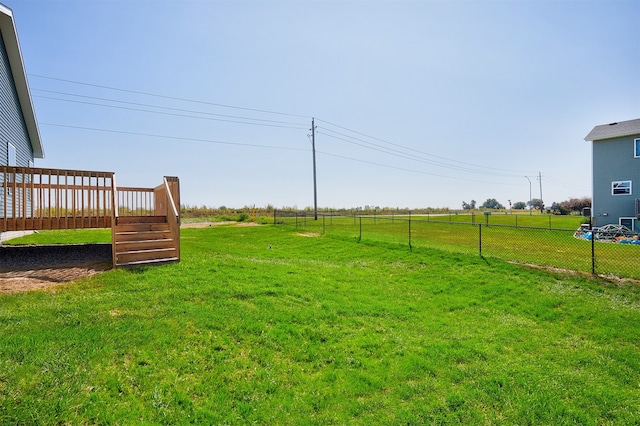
(144, 222)
(144, 240)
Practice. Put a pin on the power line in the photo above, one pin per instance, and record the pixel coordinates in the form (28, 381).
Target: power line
(418, 151)
(558, 182)
(168, 97)
(159, 107)
(268, 123)
(413, 157)
(175, 137)
(167, 113)
(411, 170)
(253, 145)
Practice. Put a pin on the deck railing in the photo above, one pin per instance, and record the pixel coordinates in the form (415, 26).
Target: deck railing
(158, 201)
(37, 198)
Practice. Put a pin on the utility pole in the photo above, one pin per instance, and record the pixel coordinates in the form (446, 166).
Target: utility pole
(315, 189)
(542, 204)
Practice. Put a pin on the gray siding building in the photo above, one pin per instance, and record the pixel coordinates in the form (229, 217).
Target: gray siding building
(19, 135)
(616, 174)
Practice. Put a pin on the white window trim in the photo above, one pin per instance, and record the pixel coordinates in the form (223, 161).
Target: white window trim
(12, 158)
(632, 219)
(620, 181)
(636, 148)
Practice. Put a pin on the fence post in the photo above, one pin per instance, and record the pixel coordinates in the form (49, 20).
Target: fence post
(359, 237)
(410, 248)
(593, 249)
(549, 221)
(323, 227)
(296, 220)
(480, 238)
(274, 216)
(516, 221)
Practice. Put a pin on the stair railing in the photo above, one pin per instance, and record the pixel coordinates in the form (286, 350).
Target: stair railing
(162, 200)
(137, 202)
(114, 219)
(173, 214)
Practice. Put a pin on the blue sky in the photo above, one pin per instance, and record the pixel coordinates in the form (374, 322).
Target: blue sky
(417, 103)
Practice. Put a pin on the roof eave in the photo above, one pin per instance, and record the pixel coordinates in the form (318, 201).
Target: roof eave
(607, 131)
(10, 36)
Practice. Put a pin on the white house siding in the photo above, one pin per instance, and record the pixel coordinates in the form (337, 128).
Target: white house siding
(12, 128)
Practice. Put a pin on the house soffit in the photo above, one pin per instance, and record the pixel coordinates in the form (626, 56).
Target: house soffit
(12, 45)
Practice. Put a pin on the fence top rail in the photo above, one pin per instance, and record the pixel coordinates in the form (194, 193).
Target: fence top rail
(63, 186)
(54, 172)
(133, 189)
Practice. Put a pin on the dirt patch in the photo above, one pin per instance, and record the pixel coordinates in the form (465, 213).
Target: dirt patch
(203, 224)
(44, 278)
(208, 224)
(308, 234)
(25, 268)
(610, 278)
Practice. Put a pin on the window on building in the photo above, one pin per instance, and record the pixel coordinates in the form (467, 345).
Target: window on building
(11, 155)
(629, 222)
(621, 187)
(636, 148)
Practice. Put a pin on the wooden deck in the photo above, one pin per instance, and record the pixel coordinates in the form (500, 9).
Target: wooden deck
(33, 199)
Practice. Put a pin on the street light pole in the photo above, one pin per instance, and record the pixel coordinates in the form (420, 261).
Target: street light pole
(530, 206)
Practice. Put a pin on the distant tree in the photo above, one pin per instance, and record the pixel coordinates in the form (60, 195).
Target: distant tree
(576, 204)
(558, 207)
(469, 206)
(519, 205)
(491, 203)
(536, 203)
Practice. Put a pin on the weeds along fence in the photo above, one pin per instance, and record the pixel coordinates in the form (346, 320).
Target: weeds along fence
(541, 242)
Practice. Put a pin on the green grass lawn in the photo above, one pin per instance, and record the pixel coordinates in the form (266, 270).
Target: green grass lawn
(68, 236)
(262, 325)
(532, 242)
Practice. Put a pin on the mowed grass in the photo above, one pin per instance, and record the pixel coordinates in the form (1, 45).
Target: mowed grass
(67, 236)
(263, 325)
(533, 243)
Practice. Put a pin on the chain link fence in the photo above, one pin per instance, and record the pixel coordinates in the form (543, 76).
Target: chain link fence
(512, 239)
